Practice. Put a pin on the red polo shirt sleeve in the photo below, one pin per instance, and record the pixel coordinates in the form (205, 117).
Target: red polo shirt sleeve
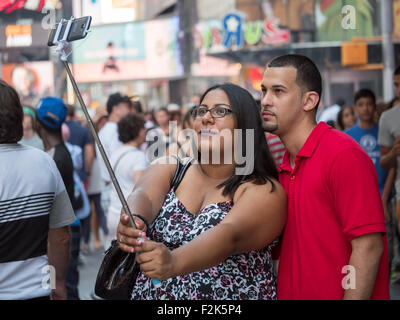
(356, 194)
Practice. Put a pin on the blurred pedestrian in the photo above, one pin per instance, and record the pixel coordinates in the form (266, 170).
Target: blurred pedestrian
(51, 113)
(35, 213)
(215, 245)
(163, 134)
(96, 185)
(389, 141)
(118, 106)
(346, 118)
(175, 114)
(79, 136)
(329, 115)
(150, 121)
(365, 132)
(276, 147)
(335, 214)
(182, 147)
(195, 100)
(128, 163)
(30, 137)
(137, 107)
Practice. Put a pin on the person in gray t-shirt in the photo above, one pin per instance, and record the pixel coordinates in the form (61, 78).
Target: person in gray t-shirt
(389, 140)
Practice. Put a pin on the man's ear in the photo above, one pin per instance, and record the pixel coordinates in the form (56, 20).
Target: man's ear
(310, 100)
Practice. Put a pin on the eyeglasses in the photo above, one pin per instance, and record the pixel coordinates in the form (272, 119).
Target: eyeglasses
(217, 112)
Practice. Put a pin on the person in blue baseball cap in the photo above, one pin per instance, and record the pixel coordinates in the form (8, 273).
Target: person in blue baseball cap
(51, 113)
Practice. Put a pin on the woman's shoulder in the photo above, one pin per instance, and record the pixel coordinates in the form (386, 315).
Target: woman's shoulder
(166, 164)
(261, 192)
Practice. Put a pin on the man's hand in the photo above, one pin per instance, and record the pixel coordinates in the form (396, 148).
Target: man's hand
(127, 236)
(60, 292)
(155, 260)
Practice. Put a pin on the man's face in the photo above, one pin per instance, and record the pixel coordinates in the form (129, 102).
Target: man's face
(396, 82)
(123, 109)
(365, 108)
(281, 101)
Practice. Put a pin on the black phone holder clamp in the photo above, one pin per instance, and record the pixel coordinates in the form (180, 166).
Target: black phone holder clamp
(63, 47)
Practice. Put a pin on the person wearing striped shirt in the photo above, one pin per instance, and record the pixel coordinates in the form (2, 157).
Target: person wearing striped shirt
(35, 213)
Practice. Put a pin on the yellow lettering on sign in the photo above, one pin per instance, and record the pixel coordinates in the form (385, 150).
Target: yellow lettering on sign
(17, 30)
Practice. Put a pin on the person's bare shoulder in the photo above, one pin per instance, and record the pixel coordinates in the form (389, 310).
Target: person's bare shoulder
(161, 170)
(271, 189)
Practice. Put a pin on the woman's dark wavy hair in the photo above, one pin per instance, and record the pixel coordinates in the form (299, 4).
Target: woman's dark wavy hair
(11, 114)
(247, 114)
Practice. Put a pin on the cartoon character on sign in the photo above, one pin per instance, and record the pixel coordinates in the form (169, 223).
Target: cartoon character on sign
(111, 63)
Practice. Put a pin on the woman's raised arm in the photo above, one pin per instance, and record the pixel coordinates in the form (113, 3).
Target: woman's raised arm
(256, 219)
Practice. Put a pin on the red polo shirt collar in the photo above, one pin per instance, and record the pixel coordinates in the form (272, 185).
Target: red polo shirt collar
(308, 148)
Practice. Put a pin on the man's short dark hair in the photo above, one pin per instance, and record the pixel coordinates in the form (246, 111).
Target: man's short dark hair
(116, 99)
(364, 93)
(129, 127)
(308, 76)
(397, 71)
(11, 114)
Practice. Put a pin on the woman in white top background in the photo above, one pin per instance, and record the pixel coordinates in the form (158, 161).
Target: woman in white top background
(128, 162)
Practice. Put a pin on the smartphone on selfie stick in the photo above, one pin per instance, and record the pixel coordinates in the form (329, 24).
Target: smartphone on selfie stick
(65, 32)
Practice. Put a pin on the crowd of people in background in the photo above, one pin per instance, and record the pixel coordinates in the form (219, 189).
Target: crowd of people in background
(376, 127)
(127, 131)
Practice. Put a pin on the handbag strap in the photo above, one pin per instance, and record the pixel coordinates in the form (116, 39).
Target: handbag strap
(121, 156)
(181, 168)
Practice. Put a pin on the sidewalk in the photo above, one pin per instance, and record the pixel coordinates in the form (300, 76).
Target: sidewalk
(88, 272)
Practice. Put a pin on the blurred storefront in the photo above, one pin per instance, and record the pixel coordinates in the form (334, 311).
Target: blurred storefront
(141, 48)
(343, 37)
(136, 58)
(166, 50)
(25, 60)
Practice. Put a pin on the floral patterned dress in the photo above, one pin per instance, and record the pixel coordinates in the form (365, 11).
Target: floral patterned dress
(248, 276)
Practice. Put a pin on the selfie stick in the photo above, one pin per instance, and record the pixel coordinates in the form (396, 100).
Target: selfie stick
(62, 46)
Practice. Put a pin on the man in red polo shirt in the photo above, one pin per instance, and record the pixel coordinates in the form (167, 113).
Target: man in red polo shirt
(334, 243)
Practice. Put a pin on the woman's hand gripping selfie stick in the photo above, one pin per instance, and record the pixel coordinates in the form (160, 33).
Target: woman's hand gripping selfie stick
(62, 46)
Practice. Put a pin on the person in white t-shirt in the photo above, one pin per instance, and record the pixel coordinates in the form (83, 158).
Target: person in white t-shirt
(118, 106)
(128, 162)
